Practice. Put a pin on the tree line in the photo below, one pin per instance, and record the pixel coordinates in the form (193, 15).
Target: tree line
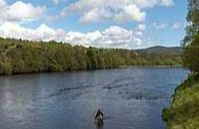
(23, 56)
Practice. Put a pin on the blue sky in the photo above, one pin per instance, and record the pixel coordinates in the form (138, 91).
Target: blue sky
(115, 24)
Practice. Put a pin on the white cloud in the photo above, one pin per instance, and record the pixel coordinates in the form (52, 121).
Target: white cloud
(139, 30)
(20, 11)
(167, 2)
(58, 1)
(129, 13)
(125, 13)
(163, 25)
(112, 37)
(113, 10)
(141, 27)
(2, 3)
(96, 15)
(43, 32)
(177, 25)
(159, 26)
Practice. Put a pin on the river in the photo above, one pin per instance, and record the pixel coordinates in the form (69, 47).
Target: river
(131, 98)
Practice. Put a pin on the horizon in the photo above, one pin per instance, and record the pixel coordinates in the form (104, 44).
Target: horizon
(130, 24)
(92, 46)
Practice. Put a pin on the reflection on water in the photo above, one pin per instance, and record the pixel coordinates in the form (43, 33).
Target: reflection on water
(131, 98)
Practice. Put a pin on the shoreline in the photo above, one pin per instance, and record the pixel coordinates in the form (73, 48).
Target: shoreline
(155, 66)
(183, 113)
(90, 70)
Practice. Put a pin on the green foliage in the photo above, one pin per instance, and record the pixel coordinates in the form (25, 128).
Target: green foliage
(193, 21)
(191, 55)
(191, 41)
(184, 113)
(21, 56)
(6, 68)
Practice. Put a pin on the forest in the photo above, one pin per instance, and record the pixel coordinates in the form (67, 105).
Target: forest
(22, 56)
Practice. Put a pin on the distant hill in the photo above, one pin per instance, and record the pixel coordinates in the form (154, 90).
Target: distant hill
(161, 50)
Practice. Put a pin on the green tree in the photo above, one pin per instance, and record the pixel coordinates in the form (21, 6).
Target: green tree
(192, 20)
(191, 40)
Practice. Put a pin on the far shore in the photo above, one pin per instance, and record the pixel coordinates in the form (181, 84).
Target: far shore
(155, 66)
(80, 70)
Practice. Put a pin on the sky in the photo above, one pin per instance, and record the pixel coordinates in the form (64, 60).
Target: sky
(130, 24)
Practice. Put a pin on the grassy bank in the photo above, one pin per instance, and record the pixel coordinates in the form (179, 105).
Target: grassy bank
(184, 110)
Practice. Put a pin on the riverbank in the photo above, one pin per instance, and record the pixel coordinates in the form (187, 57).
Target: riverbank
(22, 56)
(153, 66)
(183, 113)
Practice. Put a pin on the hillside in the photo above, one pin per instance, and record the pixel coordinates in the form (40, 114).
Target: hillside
(162, 50)
(22, 56)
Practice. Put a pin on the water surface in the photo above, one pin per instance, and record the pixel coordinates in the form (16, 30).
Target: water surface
(131, 98)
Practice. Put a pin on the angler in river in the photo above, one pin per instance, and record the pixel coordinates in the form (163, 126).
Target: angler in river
(99, 118)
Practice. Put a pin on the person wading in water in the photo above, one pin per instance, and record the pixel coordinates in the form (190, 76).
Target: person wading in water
(99, 117)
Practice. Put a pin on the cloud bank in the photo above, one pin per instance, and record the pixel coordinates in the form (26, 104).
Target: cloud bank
(20, 11)
(112, 37)
(113, 10)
